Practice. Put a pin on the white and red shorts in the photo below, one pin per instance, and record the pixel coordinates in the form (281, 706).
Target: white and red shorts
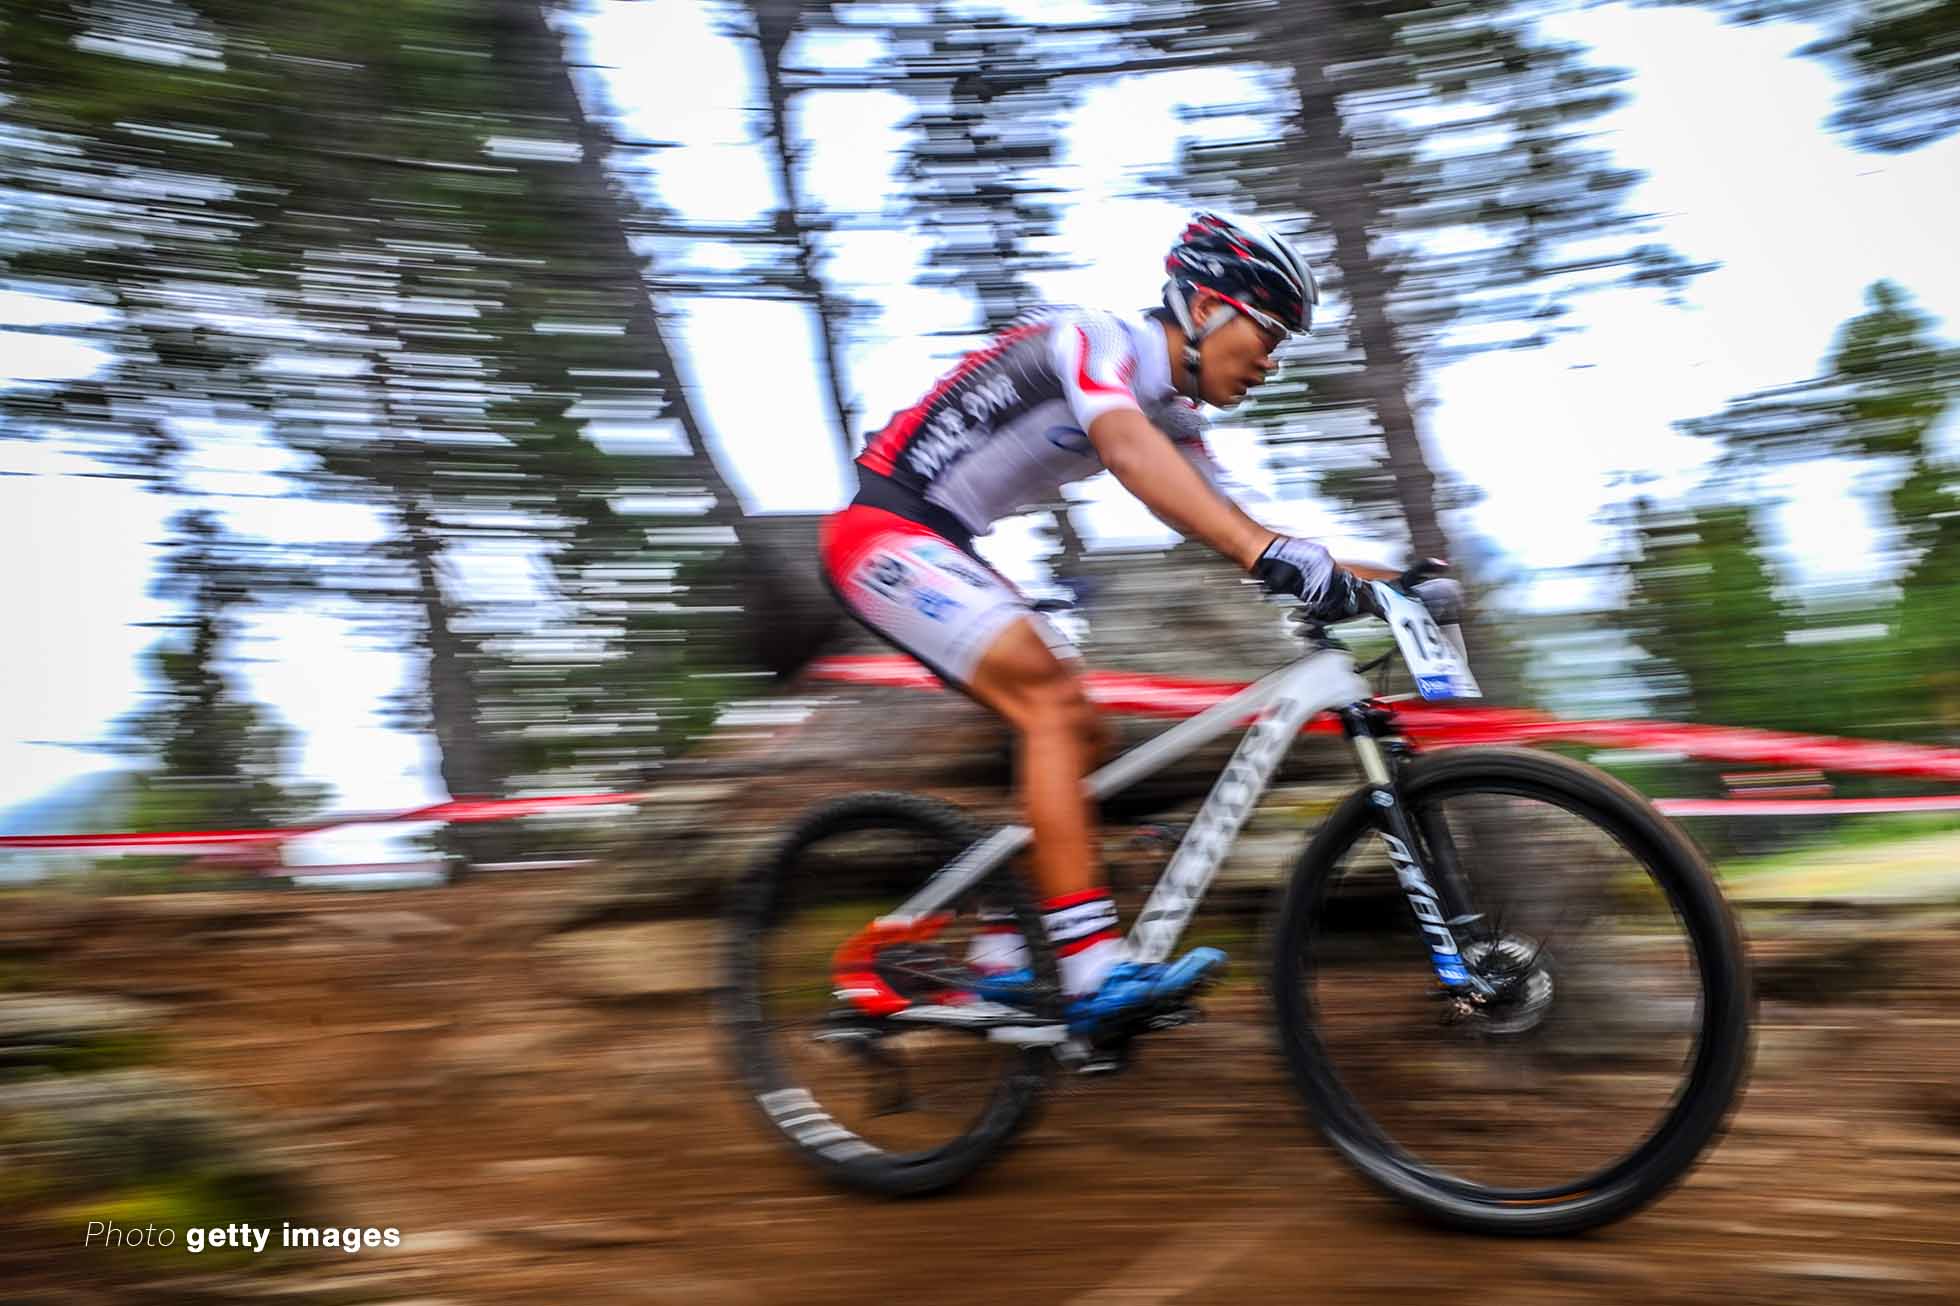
(922, 592)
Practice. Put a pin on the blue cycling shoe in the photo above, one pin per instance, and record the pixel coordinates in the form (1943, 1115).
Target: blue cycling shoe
(1133, 988)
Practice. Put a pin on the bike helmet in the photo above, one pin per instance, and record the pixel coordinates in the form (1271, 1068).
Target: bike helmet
(1251, 269)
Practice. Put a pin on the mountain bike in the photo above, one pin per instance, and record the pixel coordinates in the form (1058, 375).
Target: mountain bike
(1509, 990)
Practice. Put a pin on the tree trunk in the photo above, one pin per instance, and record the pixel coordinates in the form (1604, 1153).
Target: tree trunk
(467, 765)
(525, 39)
(775, 23)
(1342, 192)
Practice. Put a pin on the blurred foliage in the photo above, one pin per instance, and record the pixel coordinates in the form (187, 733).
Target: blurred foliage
(981, 175)
(1906, 61)
(979, 171)
(1704, 603)
(385, 235)
(394, 243)
(1899, 61)
(1708, 603)
(1439, 162)
(214, 759)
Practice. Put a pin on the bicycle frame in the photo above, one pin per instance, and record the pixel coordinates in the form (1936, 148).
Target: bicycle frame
(1279, 705)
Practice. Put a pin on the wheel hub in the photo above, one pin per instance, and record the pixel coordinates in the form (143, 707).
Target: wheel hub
(1520, 972)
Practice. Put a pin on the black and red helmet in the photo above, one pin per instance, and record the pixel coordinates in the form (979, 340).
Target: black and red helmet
(1245, 265)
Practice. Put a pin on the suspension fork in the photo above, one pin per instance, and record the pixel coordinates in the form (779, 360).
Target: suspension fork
(1426, 864)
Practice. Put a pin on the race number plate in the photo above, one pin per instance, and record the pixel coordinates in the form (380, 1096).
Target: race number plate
(1435, 655)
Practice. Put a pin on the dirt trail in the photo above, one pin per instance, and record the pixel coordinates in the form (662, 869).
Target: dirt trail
(429, 1067)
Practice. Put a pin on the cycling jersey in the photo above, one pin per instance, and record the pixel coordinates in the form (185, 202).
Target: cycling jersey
(1008, 427)
(1002, 432)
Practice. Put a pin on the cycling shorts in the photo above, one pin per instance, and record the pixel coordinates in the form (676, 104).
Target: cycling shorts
(919, 591)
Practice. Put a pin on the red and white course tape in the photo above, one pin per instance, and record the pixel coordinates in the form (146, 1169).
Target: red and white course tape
(1171, 696)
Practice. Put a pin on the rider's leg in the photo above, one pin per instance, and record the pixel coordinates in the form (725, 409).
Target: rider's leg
(1061, 738)
(963, 620)
(1059, 741)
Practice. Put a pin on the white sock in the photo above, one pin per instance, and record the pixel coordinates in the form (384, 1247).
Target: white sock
(1082, 926)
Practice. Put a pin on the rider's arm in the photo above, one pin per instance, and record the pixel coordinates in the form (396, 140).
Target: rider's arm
(1179, 419)
(1150, 467)
(1096, 359)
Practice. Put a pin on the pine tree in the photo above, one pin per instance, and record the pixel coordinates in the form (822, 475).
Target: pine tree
(776, 22)
(1705, 603)
(1879, 408)
(1898, 62)
(982, 135)
(387, 235)
(214, 758)
(1434, 159)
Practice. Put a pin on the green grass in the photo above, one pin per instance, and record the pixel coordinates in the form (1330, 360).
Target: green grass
(121, 1051)
(18, 976)
(1853, 832)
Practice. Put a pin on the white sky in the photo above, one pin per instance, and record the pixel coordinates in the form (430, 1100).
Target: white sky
(1729, 127)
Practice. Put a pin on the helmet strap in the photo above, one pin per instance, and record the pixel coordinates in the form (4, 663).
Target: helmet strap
(1191, 389)
(1178, 298)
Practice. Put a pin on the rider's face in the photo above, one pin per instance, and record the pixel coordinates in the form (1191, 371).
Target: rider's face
(1234, 358)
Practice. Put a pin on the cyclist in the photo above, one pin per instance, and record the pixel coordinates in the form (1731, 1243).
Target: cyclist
(1056, 400)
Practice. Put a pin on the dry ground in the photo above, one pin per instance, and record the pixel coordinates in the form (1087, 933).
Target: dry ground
(434, 1071)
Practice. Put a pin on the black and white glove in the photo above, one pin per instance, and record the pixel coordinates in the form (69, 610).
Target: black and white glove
(1306, 571)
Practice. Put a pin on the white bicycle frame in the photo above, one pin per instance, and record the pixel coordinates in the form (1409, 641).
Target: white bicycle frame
(1280, 704)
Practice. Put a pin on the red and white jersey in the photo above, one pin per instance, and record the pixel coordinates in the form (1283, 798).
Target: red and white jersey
(1008, 427)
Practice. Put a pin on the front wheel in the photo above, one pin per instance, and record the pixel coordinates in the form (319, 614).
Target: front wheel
(1619, 1034)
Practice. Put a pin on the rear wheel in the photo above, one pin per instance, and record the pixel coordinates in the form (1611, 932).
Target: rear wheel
(1618, 1038)
(877, 1102)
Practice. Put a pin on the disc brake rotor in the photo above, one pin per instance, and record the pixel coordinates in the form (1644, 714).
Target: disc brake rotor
(1520, 971)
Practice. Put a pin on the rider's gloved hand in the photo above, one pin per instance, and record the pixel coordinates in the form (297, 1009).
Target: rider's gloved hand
(1306, 571)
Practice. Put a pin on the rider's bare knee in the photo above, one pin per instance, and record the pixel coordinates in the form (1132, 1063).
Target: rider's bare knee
(1056, 703)
(1071, 710)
